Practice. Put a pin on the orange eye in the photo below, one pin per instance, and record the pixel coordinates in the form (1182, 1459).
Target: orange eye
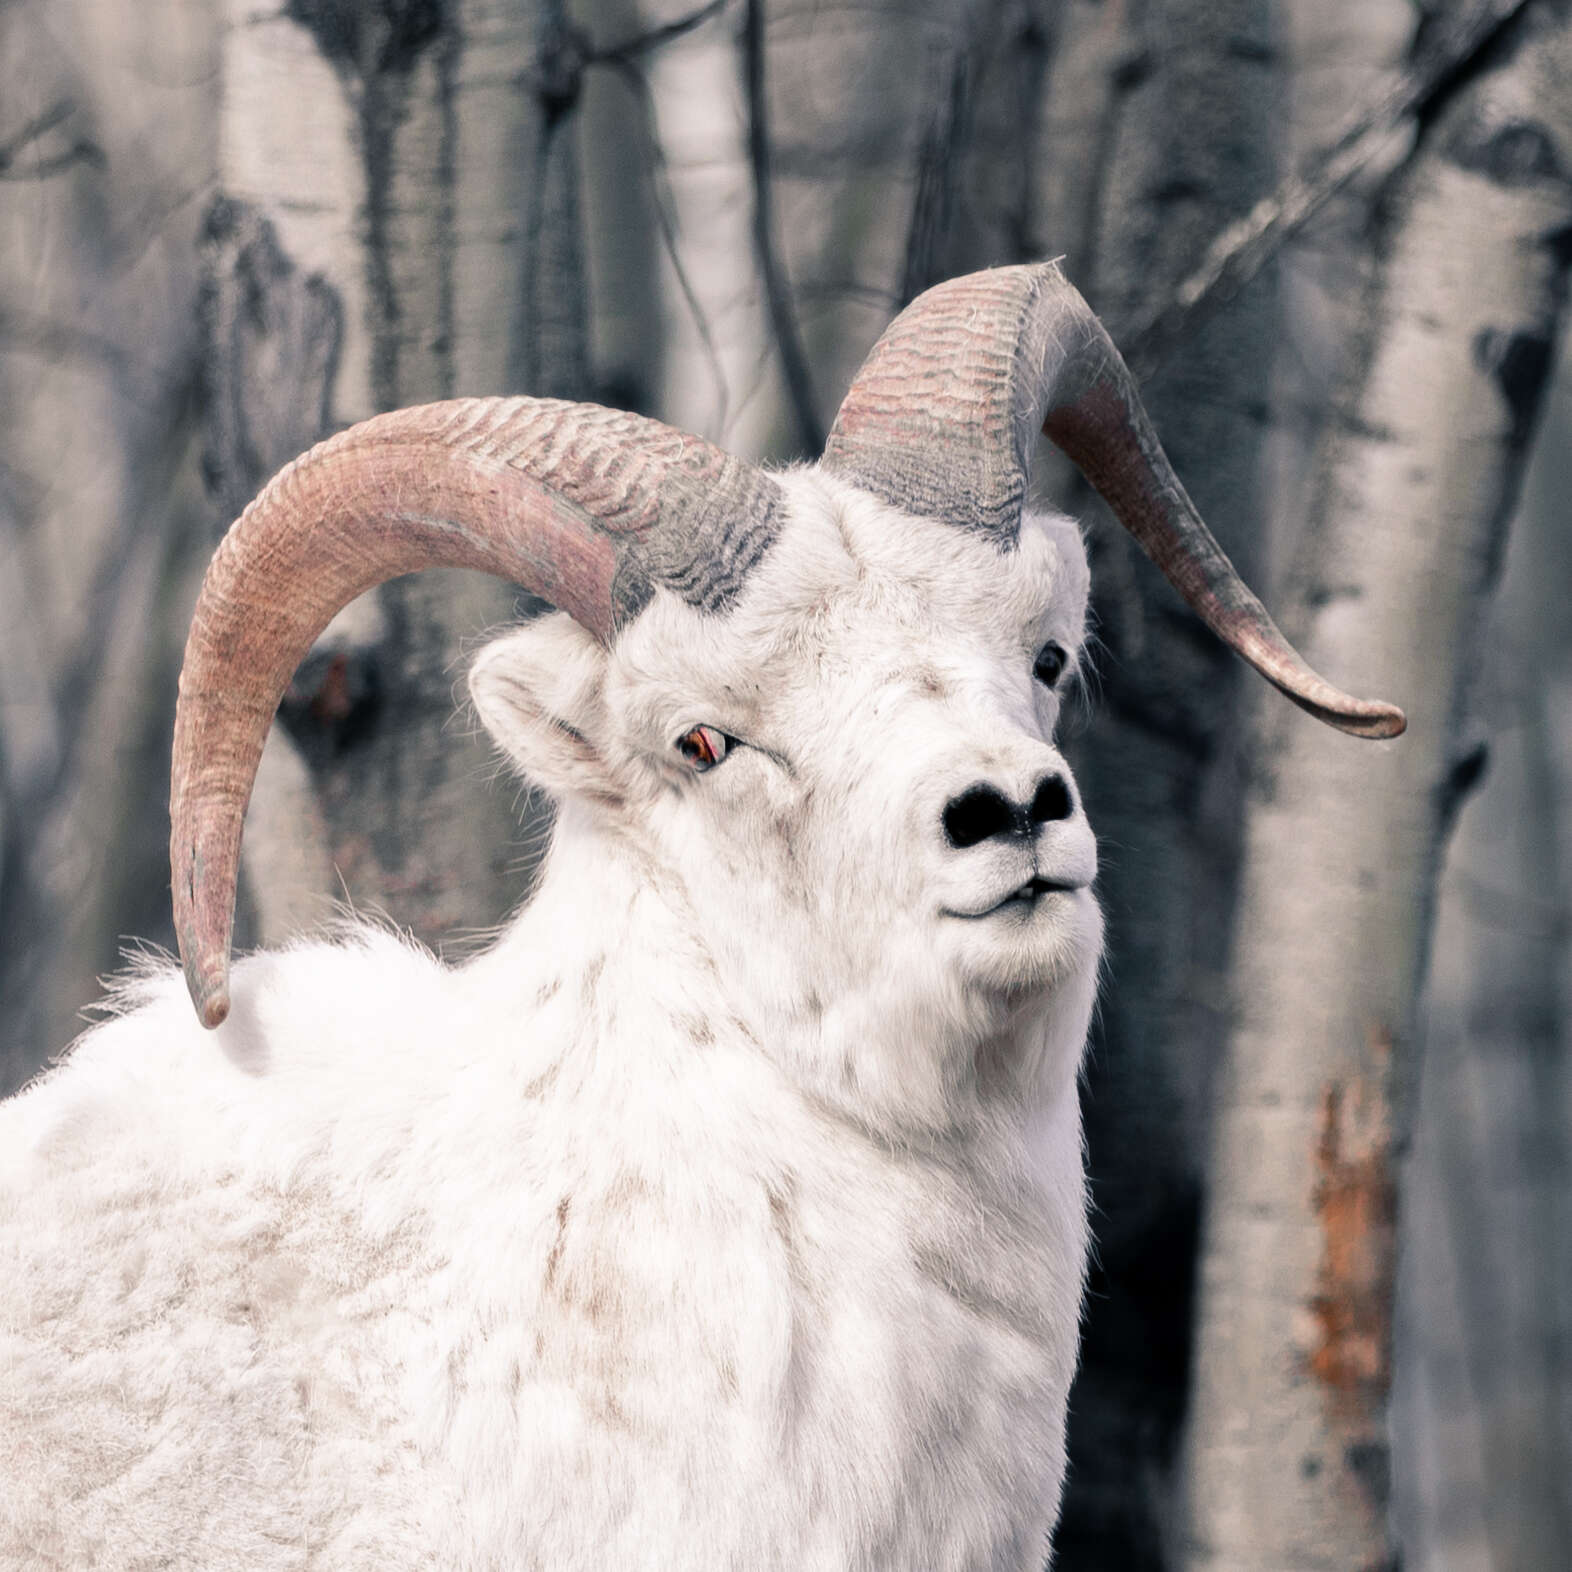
(703, 747)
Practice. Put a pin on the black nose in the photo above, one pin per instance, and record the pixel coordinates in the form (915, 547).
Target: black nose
(983, 811)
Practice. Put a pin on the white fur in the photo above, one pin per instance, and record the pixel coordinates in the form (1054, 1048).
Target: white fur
(727, 1213)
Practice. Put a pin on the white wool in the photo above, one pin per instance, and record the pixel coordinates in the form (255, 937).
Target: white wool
(728, 1212)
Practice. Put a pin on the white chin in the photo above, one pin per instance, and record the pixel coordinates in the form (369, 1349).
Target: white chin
(1036, 944)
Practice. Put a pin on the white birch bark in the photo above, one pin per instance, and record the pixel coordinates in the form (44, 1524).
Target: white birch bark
(1287, 1462)
(391, 182)
(719, 376)
(1343, 55)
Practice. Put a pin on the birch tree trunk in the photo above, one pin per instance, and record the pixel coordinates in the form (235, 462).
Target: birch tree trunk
(1158, 132)
(718, 376)
(106, 154)
(1287, 1456)
(409, 231)
(1482, 1402)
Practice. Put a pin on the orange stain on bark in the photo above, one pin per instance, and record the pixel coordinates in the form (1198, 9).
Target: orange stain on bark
(1355, 1204)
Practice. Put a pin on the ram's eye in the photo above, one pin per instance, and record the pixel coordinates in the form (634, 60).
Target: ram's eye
(1051, 661)
(703, 747)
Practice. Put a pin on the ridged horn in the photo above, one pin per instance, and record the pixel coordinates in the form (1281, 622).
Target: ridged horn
(588, 508)
(941, 421)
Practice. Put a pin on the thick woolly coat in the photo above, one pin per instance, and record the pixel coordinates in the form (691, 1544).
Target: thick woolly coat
(727, 1213)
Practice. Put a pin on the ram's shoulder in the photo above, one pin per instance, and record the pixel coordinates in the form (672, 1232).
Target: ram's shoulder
(318, 1030)
(160, 1165)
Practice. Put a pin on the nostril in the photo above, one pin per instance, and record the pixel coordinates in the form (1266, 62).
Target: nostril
(1051, 800)
(976, 814)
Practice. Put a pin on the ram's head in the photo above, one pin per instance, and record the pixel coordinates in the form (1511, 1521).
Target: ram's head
(822, 701)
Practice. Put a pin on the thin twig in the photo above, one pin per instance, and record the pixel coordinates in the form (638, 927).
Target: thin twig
(81, 151)
(1239, 253)
(642, 43)
(777, 293)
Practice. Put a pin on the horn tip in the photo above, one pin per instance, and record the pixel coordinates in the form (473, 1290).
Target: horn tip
(1372, 719)
(1396, 723)
(208, 984)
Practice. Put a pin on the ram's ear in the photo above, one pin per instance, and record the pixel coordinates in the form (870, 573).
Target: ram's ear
(540, 691)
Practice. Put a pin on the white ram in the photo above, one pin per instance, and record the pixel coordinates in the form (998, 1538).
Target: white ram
(728, 1212)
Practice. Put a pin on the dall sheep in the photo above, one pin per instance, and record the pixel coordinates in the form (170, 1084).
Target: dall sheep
(728, 1212)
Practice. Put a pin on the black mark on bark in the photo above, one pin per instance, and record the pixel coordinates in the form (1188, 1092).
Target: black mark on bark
(365, 38)
(1239, 46)
(1520, 363)
(272, 344)
(1370, 1462)
(1512, 153)
(1559, 244)
(1133, 70)
(1319, 595)
(561, 56)
(1169, 193)
(1462, 779)
(374, 46)
(48, 154)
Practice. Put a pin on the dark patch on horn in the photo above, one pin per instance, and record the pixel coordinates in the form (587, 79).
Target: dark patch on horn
(591, 509)
(942, 419)
(929, 425)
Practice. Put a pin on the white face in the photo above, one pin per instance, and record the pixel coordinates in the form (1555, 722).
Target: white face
(852, 773)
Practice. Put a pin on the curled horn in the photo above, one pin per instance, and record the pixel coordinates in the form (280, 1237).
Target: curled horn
(941, 421)
(589, 508)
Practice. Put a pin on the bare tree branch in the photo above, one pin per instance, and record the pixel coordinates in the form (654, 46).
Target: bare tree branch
(777, 292)
(666, 222)
(933, 206)
(79, 151)
(1443, 55)
(643, 43)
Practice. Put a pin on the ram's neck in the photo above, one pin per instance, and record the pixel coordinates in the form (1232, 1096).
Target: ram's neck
(602, 951)
(909, 1078)
(608, 962)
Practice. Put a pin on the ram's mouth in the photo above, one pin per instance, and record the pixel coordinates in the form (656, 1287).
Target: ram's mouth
(1024, 897)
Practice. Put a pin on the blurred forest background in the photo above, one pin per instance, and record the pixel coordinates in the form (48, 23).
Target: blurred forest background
(1328, 1104)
